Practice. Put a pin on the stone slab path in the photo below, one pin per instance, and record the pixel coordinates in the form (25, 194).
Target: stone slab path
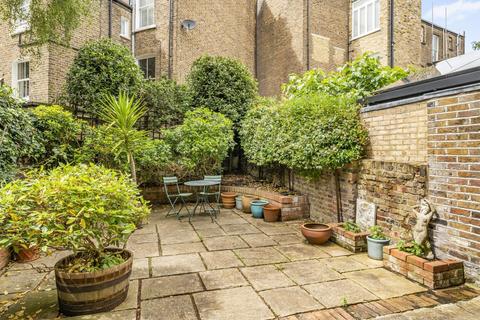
(240, 268)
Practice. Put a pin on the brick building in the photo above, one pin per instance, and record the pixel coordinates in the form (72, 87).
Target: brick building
(273, 38)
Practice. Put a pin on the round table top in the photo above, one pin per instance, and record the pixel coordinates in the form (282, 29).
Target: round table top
(201, 183)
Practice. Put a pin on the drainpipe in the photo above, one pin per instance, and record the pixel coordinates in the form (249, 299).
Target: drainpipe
(308, 35)
(132, 29)
(391, 34)
(110, 18)
(170, 39)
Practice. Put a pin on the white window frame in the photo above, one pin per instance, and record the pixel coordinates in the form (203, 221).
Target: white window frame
(435, 48)
(22, 25)
(146, 58)
(124, 27)
(150, 6)
(16, 81)
(360, 11)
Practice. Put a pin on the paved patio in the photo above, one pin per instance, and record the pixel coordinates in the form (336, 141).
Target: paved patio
(237, 268)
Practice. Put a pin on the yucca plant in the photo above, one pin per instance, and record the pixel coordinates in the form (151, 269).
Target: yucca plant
(123, 113)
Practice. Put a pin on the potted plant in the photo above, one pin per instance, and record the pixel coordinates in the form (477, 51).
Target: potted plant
(271, 213)
(257, 208)
(91, 211)
(228, 199)
(375, 242)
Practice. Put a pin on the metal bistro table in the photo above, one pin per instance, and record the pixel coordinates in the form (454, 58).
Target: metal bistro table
(202, 200)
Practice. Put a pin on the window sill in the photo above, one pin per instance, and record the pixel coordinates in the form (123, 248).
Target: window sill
(152, 26)
(366, 34)
(125, 37)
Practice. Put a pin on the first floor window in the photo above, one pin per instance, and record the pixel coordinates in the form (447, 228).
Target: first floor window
(435, 47)
(148, 67)
(145, 14)
(124, 27)
(21, 79)
(365, 17)
(21, 24)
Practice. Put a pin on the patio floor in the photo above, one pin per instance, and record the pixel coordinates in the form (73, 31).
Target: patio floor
(239, 268)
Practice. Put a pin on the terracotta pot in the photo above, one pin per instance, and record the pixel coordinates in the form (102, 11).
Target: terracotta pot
(316, 233)
(246, 200)
(271, 213)
(28, 255)
(4, 257)
(228, 199)
(82, 293)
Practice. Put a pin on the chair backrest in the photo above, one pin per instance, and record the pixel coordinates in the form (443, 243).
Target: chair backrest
(215, 179)
(167, 181)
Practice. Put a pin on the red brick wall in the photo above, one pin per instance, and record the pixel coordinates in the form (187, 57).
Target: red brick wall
(454, 177)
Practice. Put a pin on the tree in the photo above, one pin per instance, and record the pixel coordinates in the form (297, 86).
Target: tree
(476, 45)
(101, 68)
(223, 85)
(52, 20)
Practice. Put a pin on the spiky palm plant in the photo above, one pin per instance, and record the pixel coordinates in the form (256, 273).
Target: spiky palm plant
(123, 113)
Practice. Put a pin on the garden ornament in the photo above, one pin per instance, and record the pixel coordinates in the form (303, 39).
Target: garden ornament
(424, 213)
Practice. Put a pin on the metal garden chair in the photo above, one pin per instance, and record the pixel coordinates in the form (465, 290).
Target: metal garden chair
(207, 193)
(173, 198)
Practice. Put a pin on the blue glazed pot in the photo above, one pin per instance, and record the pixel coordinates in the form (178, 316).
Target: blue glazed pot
(238, 203)
(257, 208)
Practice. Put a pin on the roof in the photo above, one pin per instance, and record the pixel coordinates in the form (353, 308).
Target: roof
(459, 63)
(441, 27)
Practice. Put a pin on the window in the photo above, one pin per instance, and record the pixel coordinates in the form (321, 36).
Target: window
(450, 43)
(145, 15)
(22, 24)
(21, 79)
(435, 47)
(148, 67)
(124, 27)
(424, 35)
(365, 17)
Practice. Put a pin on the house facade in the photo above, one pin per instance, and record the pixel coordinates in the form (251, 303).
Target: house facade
(273, 38)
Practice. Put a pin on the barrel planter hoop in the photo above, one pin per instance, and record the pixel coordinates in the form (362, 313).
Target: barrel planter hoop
(83, 293)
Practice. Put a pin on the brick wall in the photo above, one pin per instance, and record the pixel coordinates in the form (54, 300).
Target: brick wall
(454, 177)
(426, 45)
(397, 134)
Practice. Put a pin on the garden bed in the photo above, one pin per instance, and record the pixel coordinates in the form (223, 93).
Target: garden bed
(436, 274)
(355, 242)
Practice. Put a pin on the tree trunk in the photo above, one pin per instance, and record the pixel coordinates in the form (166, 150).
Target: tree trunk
(133, 169)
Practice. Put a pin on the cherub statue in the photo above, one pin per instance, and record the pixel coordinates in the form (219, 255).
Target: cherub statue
(424, 213)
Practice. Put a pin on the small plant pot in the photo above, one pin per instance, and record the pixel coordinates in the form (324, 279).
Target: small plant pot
(81, 293)
(271, 213)
(257, 208)
(246, 200)
(316, 233)
(228, 199)
(238, 203)
(27, 255)
(4, 257)
(375, 248)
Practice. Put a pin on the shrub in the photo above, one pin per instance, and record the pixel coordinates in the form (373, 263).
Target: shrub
(356, 79)
(202, 142)
(223, 85)
(84, 208)
(101, 67)
(59, 132)
(376, 232)
(154, 158)
(166, 102)
(352, 227)
(19, 139)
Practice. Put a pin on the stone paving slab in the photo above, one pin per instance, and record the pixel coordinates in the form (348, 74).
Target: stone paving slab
(209, 233)
(232, 304)
(266, 277)
(144, 250)
(383, 283)
(224, 243)
(259, 256)
(301, 251)
(344, 264)
(283, 239)
(276, 230)
(182, 248)
(288, 301)
(220, 259)
(179, 237)
(365, 260)
(20, 281)
(171, 265)
(171, 285)
(140, 269)
(339, 293)
(334, 250)
(222, 279)
(239, 229)
(311, 271)
(137, 238)
(171, 308)
(42, 304)
(114, 315)
(258, 240)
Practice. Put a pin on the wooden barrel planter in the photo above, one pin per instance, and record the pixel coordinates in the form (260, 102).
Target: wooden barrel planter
(4, 257)
(83, 293)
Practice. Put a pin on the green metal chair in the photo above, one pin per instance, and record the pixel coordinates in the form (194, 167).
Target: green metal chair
(173, 198)
(208, 193)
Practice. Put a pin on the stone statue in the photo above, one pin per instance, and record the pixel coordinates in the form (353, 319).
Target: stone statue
(424, 213)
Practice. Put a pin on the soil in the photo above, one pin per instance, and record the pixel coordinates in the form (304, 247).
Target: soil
(86, 262)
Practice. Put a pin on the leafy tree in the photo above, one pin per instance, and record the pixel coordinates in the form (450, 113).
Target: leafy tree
(59, 132)
(202, 142)
(52, 20)
(356, 79)
(19, 139)
(166, 102)
(101, 68)
(223, 85)
(476, 45)
(122, 113)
